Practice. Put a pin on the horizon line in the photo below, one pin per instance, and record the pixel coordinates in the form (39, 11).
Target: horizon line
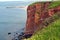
(26, 0)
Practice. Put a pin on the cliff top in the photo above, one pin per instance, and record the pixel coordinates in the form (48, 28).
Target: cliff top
(51, 32)
(52, 4)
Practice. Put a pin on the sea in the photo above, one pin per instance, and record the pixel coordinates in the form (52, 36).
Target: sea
(12, 20)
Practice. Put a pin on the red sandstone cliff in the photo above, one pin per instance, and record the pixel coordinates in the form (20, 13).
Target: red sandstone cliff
(36, 14)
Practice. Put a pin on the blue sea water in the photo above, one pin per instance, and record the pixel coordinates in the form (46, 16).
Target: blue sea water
(11, 19)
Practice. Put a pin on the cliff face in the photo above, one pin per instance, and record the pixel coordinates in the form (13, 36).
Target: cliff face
(36, 14)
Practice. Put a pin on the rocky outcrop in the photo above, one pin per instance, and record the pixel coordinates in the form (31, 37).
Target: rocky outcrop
(36, 14)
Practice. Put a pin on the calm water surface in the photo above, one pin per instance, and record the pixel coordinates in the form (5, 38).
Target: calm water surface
(11, 19)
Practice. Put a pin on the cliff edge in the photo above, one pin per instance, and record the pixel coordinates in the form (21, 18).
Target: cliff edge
(39, 16)
(37, 13)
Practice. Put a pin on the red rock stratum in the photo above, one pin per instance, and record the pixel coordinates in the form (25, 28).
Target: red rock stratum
(36, 14)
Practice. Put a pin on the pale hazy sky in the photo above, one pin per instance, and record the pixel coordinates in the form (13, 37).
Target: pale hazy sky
(25, 0)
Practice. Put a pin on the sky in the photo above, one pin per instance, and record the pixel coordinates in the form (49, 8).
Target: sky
(24, 0)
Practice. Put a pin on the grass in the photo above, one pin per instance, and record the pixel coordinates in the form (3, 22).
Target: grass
(54, 4)
(52, 32)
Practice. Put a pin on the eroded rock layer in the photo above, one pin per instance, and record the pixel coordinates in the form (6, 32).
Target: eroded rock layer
(36, 14)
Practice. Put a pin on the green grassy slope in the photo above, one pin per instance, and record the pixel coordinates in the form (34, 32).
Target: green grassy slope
(54, 4)
(52, 32)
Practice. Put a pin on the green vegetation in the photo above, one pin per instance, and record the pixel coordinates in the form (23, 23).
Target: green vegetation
(54, 4)
(52, 32)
